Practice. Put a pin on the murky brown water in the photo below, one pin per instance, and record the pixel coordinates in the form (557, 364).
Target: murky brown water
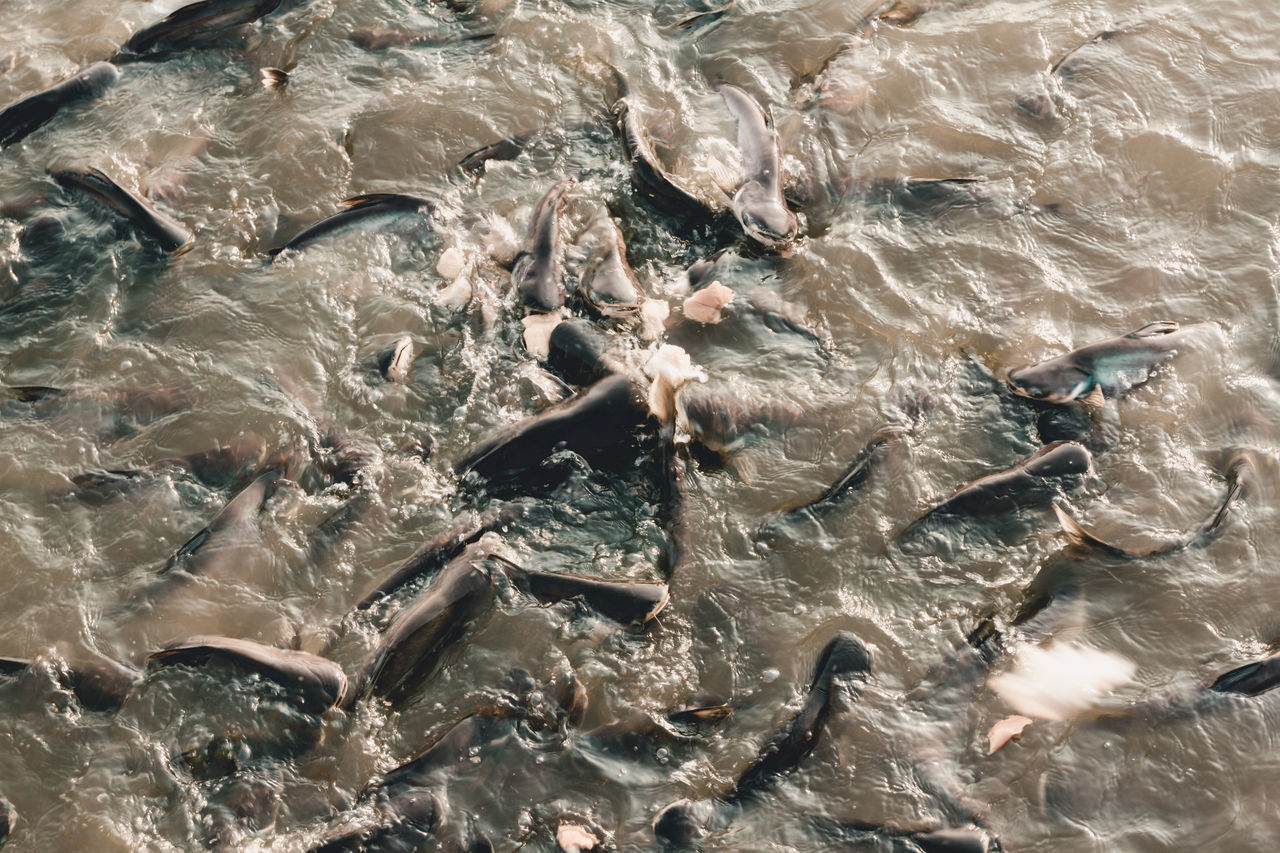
(1161, 169)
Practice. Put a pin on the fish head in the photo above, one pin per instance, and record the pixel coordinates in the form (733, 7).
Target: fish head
(764, 217)
(1051, 382)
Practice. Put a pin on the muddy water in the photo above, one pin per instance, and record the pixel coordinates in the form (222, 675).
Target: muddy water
(1149, 195)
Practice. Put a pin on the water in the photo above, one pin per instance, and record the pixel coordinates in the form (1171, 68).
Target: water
(1162, 172)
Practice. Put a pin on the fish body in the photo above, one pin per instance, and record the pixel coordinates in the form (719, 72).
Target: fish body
(192, 24)
(169, 234)
(1105, 369)
(20, 119)
(608, 282)
(758, 204)
(411, 648)
(360, 211)
(538, 272)
(1032, 481)
(320, 683)
(593, 423)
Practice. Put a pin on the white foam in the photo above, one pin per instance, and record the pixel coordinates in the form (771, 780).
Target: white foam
(1058, 681)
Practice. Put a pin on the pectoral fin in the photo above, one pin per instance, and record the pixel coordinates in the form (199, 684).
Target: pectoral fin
(1160, 327)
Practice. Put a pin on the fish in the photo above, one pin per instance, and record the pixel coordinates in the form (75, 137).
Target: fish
(1252, 679)
(1034, 481)
(98, 682)
(1046, 103)
(855, 475)
(725, 423)
(395, 362)
(948, 840)
(437, 552)
(1204, 533)
(381, 38)
(8, 820)
(844, 663)
(560, 701)
(625, 601)
(165, 231)
(667, 193)
(319, 683)
(538, 272)
(190, 25)
(758, 204)
(578, 353)
(406, 821)
(22, 118)
(410, 650)
(608, 283)
(594, 423)
(358, 212)
(217, 546)
(1106, 369)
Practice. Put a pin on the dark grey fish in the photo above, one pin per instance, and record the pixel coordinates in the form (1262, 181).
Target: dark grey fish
(225, 466)
(191, 25)
(594, 423)
(319, 683)
(666, 192)
(724, 422)
(1046, 103)
(758, 204)
(950, 840)
(1105, 369)
(1034, 481)
(624, 601)
(856, 473)
(20, 119)
(844, 662)
(216, 547)
(550, 706)
(406, 822)
(410, 650)
(169, 234)
(578, 353)
(8, 820)
(1252, 679)
(99, 683)
(359, 211)
(436, 553)
(381, 38)
(538, 272)
(608, 282)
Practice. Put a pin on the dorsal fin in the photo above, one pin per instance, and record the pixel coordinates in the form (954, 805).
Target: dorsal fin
(1082, 538)
(389, 199)
(1160, 327)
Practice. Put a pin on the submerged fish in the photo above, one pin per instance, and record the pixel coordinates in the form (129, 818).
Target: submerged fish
(192, 24)
(1032, 482)
(319, 683)
(169, 234)
(360, 211)
(20, 119)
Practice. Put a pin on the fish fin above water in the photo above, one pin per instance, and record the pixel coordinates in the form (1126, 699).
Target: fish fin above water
(1095, 398)
(388, 199)
(1160, 327)
(1082, 538)
(274, 79)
